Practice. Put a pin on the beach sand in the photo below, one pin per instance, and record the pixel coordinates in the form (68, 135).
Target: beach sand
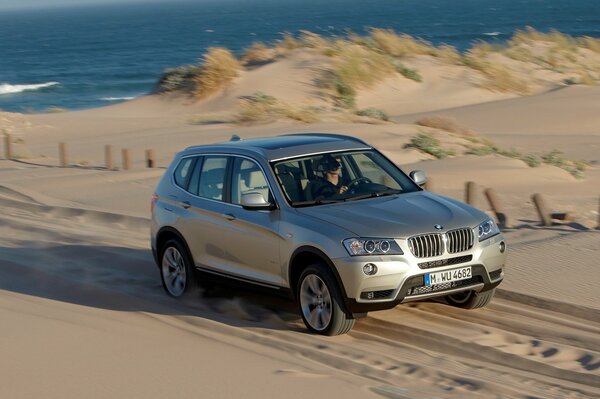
(82, 309)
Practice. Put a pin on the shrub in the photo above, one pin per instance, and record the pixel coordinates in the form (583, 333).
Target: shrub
(408, 73)
(427, 143)
(555, 158)
(373, 113)
(178, 78)
(531, 160)
(219, 68)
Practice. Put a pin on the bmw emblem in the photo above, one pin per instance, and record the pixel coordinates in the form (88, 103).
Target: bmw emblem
(438, 227)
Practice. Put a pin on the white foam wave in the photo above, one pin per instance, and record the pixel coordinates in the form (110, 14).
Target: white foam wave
(492, 33)
(7, 88)
(116, 98)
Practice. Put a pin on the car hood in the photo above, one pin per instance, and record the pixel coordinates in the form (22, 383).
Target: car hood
(398, 216)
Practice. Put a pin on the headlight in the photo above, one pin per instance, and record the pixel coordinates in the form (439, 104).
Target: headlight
(372, 246)
(488, 229)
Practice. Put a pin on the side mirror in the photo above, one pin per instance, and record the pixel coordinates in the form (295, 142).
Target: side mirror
(256, 202)
(418, 176)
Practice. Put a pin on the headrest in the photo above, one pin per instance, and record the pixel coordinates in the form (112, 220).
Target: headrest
(256, 179)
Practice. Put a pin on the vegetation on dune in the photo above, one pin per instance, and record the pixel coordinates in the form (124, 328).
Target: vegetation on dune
(264, 108)
(219, 68)
(427, 143)
(359, 62)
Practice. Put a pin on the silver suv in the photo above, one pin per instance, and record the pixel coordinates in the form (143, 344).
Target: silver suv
(325, 218)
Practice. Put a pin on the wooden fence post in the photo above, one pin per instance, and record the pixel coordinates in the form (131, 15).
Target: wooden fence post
(496, 207)
(470, 193)
(126, 159)
(108, 156)
(542, 209)
(62, 154)
(150, 162)
(8, 146)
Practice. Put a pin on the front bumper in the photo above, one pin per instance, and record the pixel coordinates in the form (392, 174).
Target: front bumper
(401, 278)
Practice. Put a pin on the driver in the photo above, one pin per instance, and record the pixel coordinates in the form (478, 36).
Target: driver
(331, 182)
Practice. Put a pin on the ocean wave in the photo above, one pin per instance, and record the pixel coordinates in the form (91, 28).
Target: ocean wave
(7, 88)
(117, 98)
(492, 33)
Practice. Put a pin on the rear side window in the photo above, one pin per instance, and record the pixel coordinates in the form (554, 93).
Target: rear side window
(182, 172)
(212, 178)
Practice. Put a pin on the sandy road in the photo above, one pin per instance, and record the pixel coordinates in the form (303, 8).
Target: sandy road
(510, 349)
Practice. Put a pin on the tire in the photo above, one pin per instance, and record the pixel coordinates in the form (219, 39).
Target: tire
(320, 302)
(471, 299)
(177, 272)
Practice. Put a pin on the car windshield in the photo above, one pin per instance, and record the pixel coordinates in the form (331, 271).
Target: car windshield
(339, 177)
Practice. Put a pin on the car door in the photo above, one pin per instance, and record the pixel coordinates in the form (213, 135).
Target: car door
(204, 226)
(253, 234)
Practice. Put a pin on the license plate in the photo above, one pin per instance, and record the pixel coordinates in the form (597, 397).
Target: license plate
(448, 276)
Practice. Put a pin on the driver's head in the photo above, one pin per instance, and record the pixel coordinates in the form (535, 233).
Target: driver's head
(327, 163)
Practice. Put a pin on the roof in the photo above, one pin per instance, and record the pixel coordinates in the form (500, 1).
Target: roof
(286, 146)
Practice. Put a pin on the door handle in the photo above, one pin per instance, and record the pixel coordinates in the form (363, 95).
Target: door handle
(185, 204)
(229, 216)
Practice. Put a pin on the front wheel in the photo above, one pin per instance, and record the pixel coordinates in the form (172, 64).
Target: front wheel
(471, 299)
(176, 270)
(320, 302)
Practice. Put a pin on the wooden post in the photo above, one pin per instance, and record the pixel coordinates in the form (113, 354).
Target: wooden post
(108, 156)
(470, 193)
(126, 159)
(8, 146)
(542, 209)
(62, 154)
(496, 207)
(150, 158)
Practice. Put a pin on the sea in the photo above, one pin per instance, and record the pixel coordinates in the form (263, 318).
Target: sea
(84, 56)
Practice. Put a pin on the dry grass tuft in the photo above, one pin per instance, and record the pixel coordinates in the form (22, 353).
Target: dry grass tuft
(263, 108)
(448, 54)
(388, 42)
(258, 53)
(220, 67)
(445, 123)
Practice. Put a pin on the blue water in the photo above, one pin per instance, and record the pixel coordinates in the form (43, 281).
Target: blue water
(98, 55)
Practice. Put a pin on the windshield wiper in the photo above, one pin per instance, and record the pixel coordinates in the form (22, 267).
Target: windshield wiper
(374, 194)
(322, 201)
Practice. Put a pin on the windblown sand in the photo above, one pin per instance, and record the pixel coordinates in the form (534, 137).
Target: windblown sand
(83, 314)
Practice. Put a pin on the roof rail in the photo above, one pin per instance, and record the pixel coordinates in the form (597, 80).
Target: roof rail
(332, 135)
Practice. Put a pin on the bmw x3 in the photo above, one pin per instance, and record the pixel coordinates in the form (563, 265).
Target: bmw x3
(326, 219)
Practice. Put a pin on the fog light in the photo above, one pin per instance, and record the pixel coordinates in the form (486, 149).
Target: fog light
(502, 247)
(369, 269)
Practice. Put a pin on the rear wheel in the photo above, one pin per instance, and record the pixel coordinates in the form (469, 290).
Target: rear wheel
(320, 302)
(177, 270)
(470, 299)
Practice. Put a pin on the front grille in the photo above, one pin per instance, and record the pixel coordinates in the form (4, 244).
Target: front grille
(445, 262)
(459, 240)
(431, 245)
(426, 245)
(376, 294)
(443, 286)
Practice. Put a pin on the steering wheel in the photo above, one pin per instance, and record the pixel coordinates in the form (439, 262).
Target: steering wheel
(354, 183)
